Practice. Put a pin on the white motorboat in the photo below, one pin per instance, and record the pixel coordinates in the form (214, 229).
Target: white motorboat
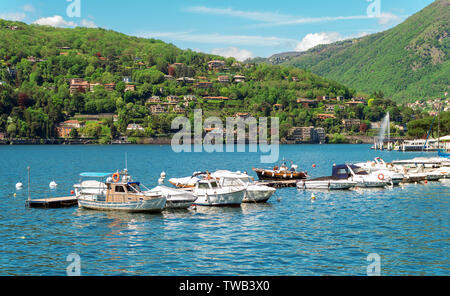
(326, 183)
(364, 179)
(176, 198)
(254, 192)
(436, 174)
(387, 170)
(117, 193)
(339, 180)
(210, 193)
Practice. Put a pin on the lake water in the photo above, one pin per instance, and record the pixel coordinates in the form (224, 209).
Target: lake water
(407, 226)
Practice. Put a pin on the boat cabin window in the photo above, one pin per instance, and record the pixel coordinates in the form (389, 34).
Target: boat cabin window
(214, 185)
(119, 189)
(203, 186)
(133, 188)
(342, 172)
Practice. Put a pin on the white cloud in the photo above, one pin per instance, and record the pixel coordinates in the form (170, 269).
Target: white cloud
(252, 15)
(13, 16)
(54, 21)
(88, 23)
(252, 40)
(273, 19)
(389, 19)
(239, 54)
(313, 39)
(28, 8)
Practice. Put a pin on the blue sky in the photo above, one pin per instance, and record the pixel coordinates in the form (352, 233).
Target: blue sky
(242, 29)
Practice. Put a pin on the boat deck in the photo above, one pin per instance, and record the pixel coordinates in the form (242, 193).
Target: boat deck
(53, 202)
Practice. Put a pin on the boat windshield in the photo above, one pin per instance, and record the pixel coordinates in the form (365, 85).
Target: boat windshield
(133, 187)
(359, 171)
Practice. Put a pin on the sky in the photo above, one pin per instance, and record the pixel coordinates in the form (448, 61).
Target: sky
(241, 29)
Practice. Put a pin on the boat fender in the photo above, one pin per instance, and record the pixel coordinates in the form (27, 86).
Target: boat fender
(291, 176)
(273, 174)
(116, 177)
(380, 176)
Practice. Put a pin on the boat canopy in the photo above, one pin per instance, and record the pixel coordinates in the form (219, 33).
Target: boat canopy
(95, 175)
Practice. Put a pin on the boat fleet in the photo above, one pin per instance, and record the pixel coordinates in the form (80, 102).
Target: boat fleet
(120, 192)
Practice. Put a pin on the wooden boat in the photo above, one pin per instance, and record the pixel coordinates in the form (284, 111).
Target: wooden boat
(118, 193)
(281, 173)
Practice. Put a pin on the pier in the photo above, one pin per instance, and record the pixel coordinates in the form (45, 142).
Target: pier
(53, 202)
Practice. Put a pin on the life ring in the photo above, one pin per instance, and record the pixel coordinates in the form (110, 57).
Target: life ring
(116, 177)
(380, 177)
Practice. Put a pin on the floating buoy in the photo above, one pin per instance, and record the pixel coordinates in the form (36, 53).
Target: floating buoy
(71, 192)
(313, 197)
(52, 184)
(19, 185)
(15, 194)
(314, 165)
(426, 182)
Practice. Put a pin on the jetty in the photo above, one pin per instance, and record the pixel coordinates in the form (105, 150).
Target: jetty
(53, 202)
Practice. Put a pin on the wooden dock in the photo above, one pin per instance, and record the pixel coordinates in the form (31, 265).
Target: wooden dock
(279, 184)
(53, 202)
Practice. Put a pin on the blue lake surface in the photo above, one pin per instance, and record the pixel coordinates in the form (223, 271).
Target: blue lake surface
(407, 226)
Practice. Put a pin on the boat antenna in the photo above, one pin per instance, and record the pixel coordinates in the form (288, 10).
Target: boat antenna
(126, 164)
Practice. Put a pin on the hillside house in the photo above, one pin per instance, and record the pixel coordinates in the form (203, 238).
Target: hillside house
(216, 64)
(78, 85)
(238, 78)
(135, 127)
(325, 116)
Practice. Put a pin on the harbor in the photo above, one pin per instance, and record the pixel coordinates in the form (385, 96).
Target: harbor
(335, 223)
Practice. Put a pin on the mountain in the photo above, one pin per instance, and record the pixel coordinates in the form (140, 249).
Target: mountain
(407, 62)
(49, 75)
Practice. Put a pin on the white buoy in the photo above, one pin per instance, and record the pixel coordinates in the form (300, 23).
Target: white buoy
(52, 184)
(19, 185)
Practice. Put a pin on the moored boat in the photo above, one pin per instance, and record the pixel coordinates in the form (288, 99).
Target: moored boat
(176, 198)
(254, 193)
(210, 193)
(117, 193)
(281, 172)
(339, 180)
